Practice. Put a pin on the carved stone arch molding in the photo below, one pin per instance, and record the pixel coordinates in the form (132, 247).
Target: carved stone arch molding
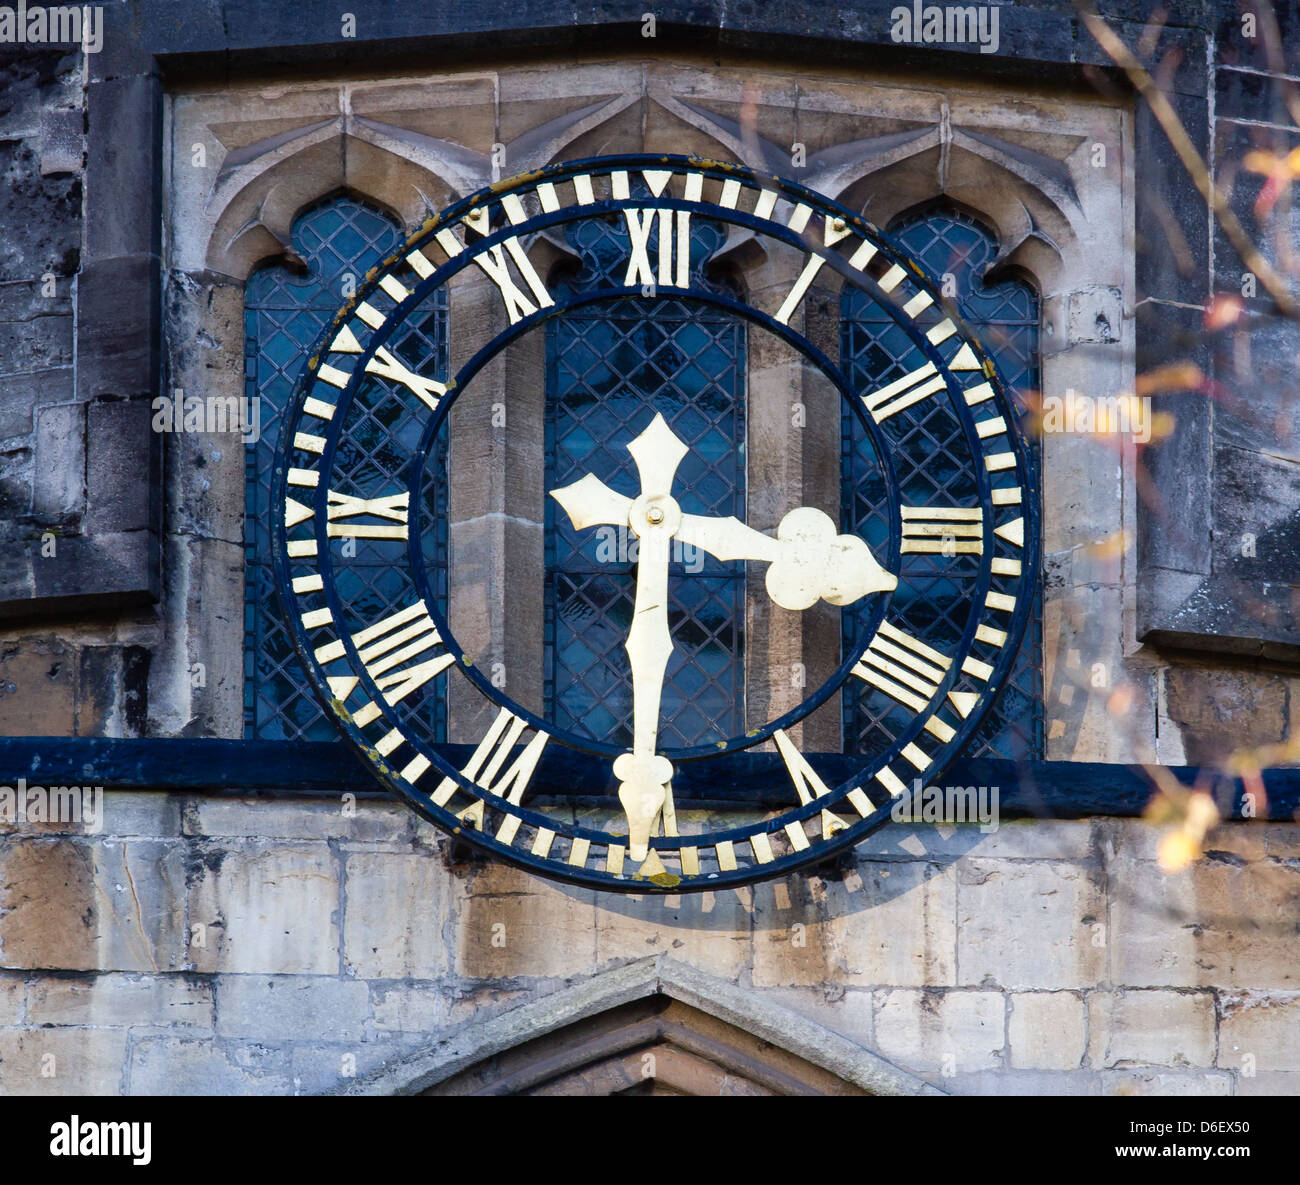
(266, 172)
(655, 1026)
(1021, 179)
(1035, 233)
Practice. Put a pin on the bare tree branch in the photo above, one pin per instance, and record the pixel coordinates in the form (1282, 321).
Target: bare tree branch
(1120, 54)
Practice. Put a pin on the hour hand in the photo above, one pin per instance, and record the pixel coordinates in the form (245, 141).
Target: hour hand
(727, 539)
(589, 502)
(808, 559)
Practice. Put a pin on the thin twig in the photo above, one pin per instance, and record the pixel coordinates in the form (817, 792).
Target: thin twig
(1161, 108)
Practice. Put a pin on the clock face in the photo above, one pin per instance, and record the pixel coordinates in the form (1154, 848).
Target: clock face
(383, 585)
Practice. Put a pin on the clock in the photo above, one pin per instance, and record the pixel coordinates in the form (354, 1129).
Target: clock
(384, 664)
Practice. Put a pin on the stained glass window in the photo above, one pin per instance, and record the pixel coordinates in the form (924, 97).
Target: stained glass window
(1005, 318)
(286, 310)
(610, 366)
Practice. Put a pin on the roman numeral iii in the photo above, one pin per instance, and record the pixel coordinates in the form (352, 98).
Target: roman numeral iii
(942, 530)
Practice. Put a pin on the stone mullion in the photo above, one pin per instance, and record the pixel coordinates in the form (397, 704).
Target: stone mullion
(775, 451)
(496, 468)
(821, 470)
(476, 483)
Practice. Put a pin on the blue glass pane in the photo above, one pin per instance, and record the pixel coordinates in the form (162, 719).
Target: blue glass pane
(610, 367)
(1005, 317)
(284, 313)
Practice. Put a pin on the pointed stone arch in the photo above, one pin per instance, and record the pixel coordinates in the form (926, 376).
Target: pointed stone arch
(263, 184)
(1035, 231)
(1021, 182)
(254, 206)
(655, 1026)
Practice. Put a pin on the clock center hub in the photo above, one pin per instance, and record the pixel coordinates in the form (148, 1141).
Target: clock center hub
(655, 514)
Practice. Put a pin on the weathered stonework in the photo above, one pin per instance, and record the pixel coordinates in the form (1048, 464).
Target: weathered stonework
(280, 945)
(340, 948)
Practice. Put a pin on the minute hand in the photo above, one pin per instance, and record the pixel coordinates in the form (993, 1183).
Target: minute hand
(649, 644)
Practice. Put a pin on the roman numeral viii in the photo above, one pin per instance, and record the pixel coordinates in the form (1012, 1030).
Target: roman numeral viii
(389, 650)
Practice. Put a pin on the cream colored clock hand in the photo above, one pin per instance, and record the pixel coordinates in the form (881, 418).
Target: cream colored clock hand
(808, 559)
(654, 516)
(589, 502)
(643, 776)
(727, 539)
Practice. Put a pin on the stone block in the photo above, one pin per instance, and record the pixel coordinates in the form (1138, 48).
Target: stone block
(1255, 498)
(1270, 1084)
(265, 907)
(1055, 907)
(1014, 839)
(1219, 709)
(62, 1061)
(509, 924)
(373, 821)
(38, 689)
(142, 813)
(323, 1068)
(937, 1032)
(1045, 1031)
(123, 181)
(41, 217)
(1023, 1083)
(848, 1011)
(1265, 1026)
(207, 1067)
(83, 905)
(291, 1008)
(13, 994)
(410, 1007)
(100, 572)
(1174, 1029)
(118, 327)
(1217, 923)
(39, 342)
(1173, 248)
(31, 79)
(121, 467)
(204, 324)
(1186, 1084)
(719, 942)
(1176, 533)
(893, 925)
(121, 1001)
(204, 598)
(397, 913)
(1254, 410)
(61, 141)
(59, 488)
(113, 690)
(1096, 315)
(20, 394)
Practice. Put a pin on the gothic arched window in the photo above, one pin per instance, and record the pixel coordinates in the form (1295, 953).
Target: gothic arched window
(610, 365)
(285, 311)
(958, 250)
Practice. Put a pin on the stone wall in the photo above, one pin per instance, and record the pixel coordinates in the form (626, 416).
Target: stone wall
(276, 945)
